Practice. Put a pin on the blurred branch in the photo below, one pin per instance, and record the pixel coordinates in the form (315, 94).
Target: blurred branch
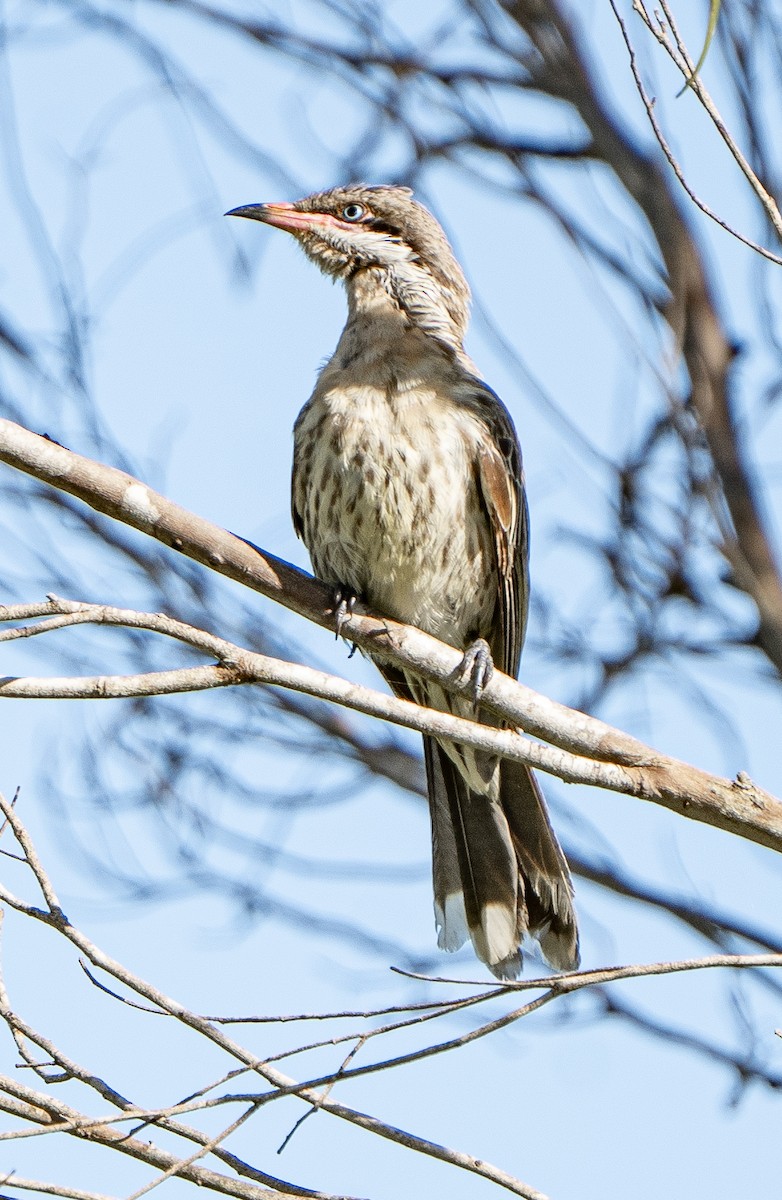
(718, 927)
(589, 750)
(561, 70)
(15, 342)
(745, 1067)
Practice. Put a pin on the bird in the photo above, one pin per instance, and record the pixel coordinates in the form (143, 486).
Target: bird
(408, 493)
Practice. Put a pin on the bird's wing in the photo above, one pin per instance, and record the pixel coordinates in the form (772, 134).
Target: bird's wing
(296, 514)
(501, 480)
(545, 889)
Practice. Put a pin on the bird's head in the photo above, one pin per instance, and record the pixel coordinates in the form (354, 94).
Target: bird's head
(358, 229)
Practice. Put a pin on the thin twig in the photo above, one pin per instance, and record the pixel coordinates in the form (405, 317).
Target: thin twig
(685, 64)
(283, 1085)
(648, 104)
(177, 1168)
(50, 1189)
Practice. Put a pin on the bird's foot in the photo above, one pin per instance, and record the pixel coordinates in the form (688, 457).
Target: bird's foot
(477, 667)
(345, 600)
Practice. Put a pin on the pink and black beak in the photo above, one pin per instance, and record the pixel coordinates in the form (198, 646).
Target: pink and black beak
(281, 216)
(292, 219)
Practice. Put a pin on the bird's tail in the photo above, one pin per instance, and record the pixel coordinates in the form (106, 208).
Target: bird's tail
(499, 873)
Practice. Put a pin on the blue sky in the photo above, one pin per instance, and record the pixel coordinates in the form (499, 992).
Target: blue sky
(204, 344)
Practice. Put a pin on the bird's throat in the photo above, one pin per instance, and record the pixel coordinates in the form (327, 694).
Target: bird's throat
(389, 303)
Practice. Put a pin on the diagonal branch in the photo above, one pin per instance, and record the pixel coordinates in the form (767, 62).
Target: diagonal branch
(621, 763)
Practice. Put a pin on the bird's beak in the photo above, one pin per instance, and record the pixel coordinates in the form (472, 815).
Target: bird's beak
(282, 216)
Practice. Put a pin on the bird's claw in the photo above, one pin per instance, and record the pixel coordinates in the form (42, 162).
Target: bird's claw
(477, 667)
(344, 602)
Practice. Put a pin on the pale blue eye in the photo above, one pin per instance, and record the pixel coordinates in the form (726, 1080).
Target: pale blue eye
(353, 212)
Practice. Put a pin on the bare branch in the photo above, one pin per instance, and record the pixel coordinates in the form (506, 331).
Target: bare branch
(679, 55)
(648, 103)
(282, 1084)
(50, 1189)
(179, 1168)
(623, 763)
(55, 1116)
(121, 687)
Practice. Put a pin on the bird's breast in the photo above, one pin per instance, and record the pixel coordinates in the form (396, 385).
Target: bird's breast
(385, 489)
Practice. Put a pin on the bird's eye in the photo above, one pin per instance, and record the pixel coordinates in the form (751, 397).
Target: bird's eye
(353, 212)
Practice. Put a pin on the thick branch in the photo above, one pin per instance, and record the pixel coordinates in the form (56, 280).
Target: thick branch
(738, 807)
